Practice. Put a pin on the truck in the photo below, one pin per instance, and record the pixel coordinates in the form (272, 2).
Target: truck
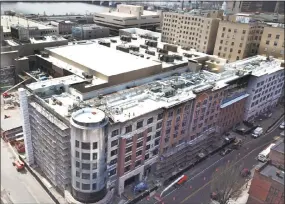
(257, 132)
(263, 156)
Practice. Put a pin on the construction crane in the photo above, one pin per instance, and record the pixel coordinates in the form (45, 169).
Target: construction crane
(6, 93)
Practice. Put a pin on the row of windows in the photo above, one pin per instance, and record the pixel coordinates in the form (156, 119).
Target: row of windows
(138, 126)
(86, 186)
(86, 145)
(86, 166)
(275, 43)
(276, 36)
(86, 156)
(86, 176)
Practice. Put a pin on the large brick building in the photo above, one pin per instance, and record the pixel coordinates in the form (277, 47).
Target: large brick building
(268, 182)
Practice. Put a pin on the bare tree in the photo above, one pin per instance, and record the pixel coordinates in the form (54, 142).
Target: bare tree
(227, 182)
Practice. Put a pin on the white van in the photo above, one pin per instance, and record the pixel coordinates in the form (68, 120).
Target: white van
(257, 132)
(263, 156)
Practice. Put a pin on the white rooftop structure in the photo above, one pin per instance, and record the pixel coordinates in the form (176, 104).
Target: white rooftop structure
(88, 115)
(257, 65)
(7, 21)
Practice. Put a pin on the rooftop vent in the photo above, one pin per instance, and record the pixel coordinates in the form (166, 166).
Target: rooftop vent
(166, 58)
(44, 54)
(123, 48)
(105, 43)
(144, 46)
(151, 43)
(162, 51)
(177, 57)
(125, 38)
(150, 52)
(134, 48)
(113, 40)
(172, 48)
(187, 55)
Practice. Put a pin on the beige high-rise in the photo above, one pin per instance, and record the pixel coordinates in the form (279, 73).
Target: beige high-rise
(237, 40)
(272, 42)
(197, 32)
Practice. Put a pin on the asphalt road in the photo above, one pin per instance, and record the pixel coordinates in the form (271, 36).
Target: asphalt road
(20, 187)
(198, 187)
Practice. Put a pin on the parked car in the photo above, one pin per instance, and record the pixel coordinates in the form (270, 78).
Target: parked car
(226, 151)
(282, 125)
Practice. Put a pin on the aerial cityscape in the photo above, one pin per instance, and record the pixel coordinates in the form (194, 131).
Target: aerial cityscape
(147, 102)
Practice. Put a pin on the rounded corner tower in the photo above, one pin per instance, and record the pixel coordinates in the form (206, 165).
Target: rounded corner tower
(88, 156)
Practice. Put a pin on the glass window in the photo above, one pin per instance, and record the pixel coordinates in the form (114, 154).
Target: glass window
(85, 176)
(139, 153)
(267, 42)
(115, 132)
(85, 156)
(269, 36)
(139, 124)
(94, 155)
(94, 186)
(85, 186)
(95, 146)
(85, 145)
(77, 184)
(114, 152)
(77, 164)
(127, 168)
(138, 163)
(86, 166)
(150, 120)
(159, 117)
(114, 143)
(129, 149)
(129, 129)
(76, 154)
(128, 158)
(146, 157)
(76, 143)
(149, 130)
(94, 166)
(77, 174)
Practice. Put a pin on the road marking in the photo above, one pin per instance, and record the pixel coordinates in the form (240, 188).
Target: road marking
(195, 192)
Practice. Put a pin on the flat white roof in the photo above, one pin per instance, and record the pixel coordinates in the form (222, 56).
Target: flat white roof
(102, 59)
(7, 21)
(88, 115)
(126, 15)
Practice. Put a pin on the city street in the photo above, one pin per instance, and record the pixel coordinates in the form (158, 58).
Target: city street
(20, 187)
(198, 187)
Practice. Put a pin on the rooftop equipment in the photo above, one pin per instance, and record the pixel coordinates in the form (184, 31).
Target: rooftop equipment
(149, 52)
(125, 38)
(105, 43)
(44, 54)
(168, 92)
(172, 48)
(144, 46)
(177, 57)
(162, 51)
(187, 55)
(113, 40)
(134, 48)
(151, 43)
(123, 48)
(166, 58)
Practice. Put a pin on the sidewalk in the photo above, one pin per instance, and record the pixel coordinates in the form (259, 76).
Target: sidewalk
(242, 199)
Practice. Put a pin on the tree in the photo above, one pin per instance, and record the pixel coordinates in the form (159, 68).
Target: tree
(227, 182)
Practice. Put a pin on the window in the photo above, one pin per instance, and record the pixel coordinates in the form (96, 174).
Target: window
(221, 41)
(244, 31)
(85, 156)
(129, 129)
(94, 166)
(77, 174)
(85, 186)
(170, 113)
(139, 124)
(148, 138)
(86, 166)
(115, 133)
(114, 143)
(114, 161)
(158, 133)
(147, 147)
(158, 125)
(114, 152)
(149, 121)
(139, 153)
(112, 172)
(77, 184)
(239, 51)
(232, 43)
(140, 144)
(128, 158)
(94, 156)
(129, 149)
(269, 36)
(95, 145)
(159, 117)
(85, 176)
(275, 43)
(85, 145)
(149, 130)
(77, 164)
(127, 168)
(146, 157)
(76, 154)
(129, 140)
(139, 162)
(76, 143)
(267, 42)
(94, 186)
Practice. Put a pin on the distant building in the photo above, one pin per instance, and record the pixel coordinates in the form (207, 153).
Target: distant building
(238, 40)
(128, 16)
(256, 6)
(272, 42)
(64, 27)
(267, 185)
(190, 31)
(91, 31)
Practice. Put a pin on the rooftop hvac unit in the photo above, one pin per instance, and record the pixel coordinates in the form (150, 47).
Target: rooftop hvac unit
(123, 48)
(162, 51)
(134, 48)
(87, 76)
(126, 38)
(107, 44)
(172, 48)
(150, 52)
(151, 43)
(177, 57)
(187, 55)
(113, 40)
(166, 58)
(178, 85)
(144, 46)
